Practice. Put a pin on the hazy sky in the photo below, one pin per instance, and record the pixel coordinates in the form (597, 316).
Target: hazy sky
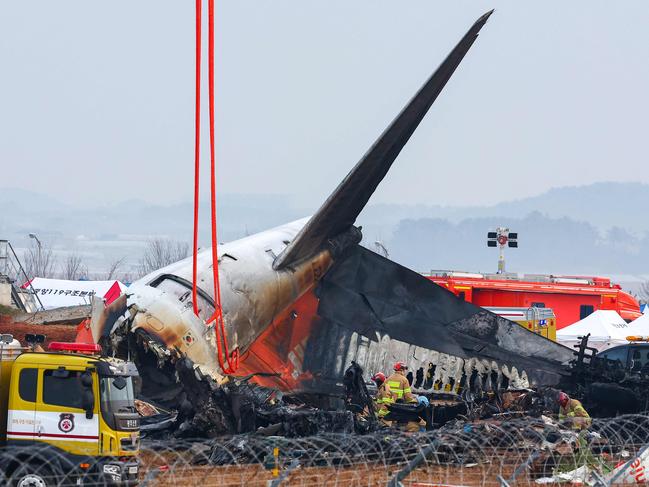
(96, 98)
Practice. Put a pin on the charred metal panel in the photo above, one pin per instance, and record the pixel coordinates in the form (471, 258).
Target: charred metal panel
(375, 311)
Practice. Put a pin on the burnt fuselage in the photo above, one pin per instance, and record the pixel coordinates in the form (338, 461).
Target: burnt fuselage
(307, 322)
(253, 294)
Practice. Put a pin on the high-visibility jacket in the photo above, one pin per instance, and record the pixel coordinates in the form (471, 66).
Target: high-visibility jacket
(400, 387)
(383, 398)
(575, 411)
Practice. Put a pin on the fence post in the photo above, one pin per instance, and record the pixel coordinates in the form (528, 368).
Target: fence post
(533, 456)
(292, 466)
(412, 464)
(503, 482)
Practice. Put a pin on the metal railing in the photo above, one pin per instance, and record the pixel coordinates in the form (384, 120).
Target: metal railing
(12, 270)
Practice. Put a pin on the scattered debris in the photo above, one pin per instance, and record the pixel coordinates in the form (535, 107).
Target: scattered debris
(145, 409)
(580, 475)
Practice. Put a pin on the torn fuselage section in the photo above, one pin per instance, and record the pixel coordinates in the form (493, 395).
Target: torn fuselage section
(158, 322)
(375, 312)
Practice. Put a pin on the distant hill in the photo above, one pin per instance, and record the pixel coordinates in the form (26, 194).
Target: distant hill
(603, 205)
(585, 229)
(546, 245)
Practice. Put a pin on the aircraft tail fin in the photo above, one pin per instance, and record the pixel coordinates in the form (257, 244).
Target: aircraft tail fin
(343, 206)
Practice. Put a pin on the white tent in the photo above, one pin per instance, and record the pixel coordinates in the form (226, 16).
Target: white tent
(606, 328)
(640, 326)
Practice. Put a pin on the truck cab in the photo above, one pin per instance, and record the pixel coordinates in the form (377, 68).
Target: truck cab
(634, 356)
(67, 414)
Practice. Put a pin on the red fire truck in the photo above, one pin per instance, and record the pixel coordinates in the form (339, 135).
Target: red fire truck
(572, 298)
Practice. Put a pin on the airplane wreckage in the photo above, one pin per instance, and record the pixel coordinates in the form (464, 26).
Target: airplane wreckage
(301, 302)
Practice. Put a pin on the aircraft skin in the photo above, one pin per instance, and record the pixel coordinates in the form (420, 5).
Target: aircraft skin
(253, 294)
(275, 302)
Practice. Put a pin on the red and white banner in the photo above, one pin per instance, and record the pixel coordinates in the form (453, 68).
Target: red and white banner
(59, 293)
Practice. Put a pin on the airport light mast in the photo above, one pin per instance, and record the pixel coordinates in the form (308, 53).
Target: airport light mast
(381, 249)
(502, 238)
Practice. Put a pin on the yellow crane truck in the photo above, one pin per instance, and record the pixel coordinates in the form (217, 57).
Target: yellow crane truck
(67, 416)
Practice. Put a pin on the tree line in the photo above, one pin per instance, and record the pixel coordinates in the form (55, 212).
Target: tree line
(40, 260)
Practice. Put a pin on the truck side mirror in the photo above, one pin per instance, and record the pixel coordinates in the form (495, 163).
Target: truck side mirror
(88, 396)
(88, 403)
(86, 379)
(61, 373)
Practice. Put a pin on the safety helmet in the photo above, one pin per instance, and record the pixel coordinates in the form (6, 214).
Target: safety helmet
(400, 366)
(379, 377)
(563, 399)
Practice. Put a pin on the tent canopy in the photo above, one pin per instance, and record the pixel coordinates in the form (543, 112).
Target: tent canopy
(606, 327)
(640, 326)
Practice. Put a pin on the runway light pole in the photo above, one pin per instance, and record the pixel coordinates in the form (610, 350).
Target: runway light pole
(39, 257)
(33, 235)
(381, 249)
(502, 238)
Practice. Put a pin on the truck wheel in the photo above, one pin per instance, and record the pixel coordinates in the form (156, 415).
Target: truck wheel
(30, 475)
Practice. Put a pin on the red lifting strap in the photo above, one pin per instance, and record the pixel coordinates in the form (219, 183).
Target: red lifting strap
(232, 359)
(197, 156)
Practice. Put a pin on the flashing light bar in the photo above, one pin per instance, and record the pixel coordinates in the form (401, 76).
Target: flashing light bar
(74, 347)
(637, 338)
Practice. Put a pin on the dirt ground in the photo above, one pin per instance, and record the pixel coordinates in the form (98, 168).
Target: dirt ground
(169, 469)
(256, 476)
(53, 333)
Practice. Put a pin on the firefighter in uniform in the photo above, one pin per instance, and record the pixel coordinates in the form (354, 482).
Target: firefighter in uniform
(399, 385)
(571, 410)
(401, 392)
(383, 397)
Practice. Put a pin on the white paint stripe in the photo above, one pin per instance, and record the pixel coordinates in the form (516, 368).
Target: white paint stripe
(43, 425)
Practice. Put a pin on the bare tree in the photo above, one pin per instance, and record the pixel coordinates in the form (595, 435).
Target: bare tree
(643, 292)
(113, 268)
(160, 252)
(73, 267)
(39, 261)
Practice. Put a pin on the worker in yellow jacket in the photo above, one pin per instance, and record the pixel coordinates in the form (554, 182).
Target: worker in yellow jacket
(571, 410)
(401, 392)
(399, 385)
(383, 397)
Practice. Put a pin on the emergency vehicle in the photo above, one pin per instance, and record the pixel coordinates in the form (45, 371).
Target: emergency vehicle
(541, 321)
(572, 298)
(633, 356)
(67, 416)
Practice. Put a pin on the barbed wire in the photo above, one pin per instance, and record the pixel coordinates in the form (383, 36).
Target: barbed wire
(494, 452)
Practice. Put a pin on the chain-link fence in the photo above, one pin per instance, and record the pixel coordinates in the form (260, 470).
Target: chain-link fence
(494, 452)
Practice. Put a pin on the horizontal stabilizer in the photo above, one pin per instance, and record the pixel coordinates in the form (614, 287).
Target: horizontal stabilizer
(343, 206)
